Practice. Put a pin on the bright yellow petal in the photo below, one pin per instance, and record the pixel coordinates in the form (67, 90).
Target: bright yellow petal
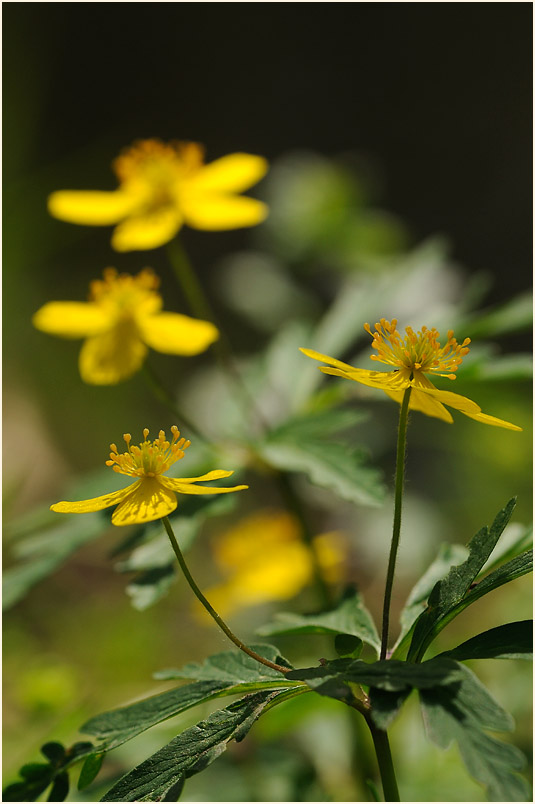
(424, 403)
(187, 487)
(453, 400)
(217, 212)
(147, 502)
(175, 334)
(485, 419)
(71, 319)
(230, 174)
(215, 474)
(96, 504)
(112, 357)
(385, 380)
(331, 361)
(92, 208)
(144, 232)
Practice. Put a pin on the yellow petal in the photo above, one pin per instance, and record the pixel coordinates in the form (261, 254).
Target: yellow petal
(453, 400)
(230, 174)
(215, 474)
(144, 232)
(218, 212)
(485, 419)
(187, 487)
(424, 403)
(385, 380)
(71, 319)
(112, 357)
(92, 208)
(332, 361)
(148, 501)
(95, 504)
(175, 334)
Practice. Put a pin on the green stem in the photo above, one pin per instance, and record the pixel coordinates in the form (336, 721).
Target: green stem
(213, 613)
(295, 506)
(164, 396)
(398, 499)
(384, 760)
(200, 306)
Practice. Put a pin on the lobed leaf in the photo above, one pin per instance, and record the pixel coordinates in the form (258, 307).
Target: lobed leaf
(350, 617)
(231, 666)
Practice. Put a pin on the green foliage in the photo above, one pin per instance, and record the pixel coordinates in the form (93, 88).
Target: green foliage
(349, 617)
(446, 598)
(161, 776)
(231, 666)
(509, 641)
(38, 776)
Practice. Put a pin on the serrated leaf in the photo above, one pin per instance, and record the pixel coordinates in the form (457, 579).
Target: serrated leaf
(462, 712)
(90, 769)
(350, 617)
(45, 552)
(448, 555)
(509, 641)
(192, 751)
(333, 466)
(231, 667)
(450, 591)
(119, 725)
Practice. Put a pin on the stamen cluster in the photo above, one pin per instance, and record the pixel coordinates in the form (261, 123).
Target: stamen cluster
(418, 351)
(150, 458)
(154, 156)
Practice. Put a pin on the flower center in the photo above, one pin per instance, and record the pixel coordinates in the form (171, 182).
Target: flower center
(127, 295)
(157, 163)
(151, 458)
(418, 351)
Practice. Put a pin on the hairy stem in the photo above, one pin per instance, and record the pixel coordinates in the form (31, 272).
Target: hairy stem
(398, 499)
(211, 611)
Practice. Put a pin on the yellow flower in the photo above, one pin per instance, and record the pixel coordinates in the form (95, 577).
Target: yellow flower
(152, 495)
(162, 187)
(265, 559)
(122, 318)
(412, 357)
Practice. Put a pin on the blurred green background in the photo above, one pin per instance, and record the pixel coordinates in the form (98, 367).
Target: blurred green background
(400, 187)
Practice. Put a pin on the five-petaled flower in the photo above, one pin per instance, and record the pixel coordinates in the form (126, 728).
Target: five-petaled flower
(122, 318)
(152, 496)
(412, 357)
(162, 187)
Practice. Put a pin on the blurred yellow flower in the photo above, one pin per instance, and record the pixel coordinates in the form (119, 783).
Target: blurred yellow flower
(122, 318)
(265, 559)
(151, 496)
(412, 357)
(162, 187)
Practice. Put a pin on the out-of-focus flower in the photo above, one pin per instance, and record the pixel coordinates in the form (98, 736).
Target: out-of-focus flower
(413, 357)
(265, 559)
(122, 318)
(162, 187)
(152, 496)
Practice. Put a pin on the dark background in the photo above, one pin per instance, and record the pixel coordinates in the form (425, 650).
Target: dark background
(437, 95)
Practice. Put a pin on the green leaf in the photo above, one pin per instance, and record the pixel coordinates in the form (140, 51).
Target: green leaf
(231, 667)
(450, 591)
(226, 676)
(347, 646)
(55, 752)
(297, 447)
(350, 617)
(150, 586)
(193, 750)
(90, 769)
(60, 788)
(513, 316)
(45, 552)
(510, 641)
(516, 539)
(462, 712)
(448, 555)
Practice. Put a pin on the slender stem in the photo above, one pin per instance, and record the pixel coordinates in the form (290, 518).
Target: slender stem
(213, 613)
(398, 499)
(384, 760)
(164, 396)
(295, 505)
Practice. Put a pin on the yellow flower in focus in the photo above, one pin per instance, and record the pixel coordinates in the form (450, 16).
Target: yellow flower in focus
(152, 496)
(412, 357)
(265, 559)
(122, 318)
(162, 187)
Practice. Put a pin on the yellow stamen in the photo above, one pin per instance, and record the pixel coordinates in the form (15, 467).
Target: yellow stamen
(418, 351)
(150, 458)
